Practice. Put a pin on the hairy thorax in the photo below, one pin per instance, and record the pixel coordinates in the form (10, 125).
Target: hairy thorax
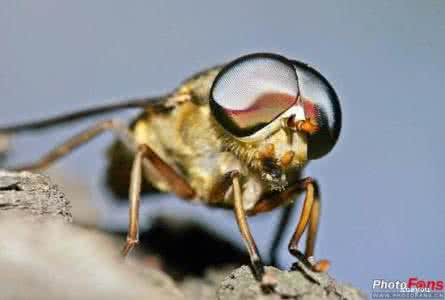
(188, 139)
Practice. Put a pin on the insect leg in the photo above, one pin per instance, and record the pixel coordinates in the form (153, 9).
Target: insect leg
(176, 182)
(304, 217)
(272, 201)
(313, 223)
(222, 186)
(241, 219)
(323, 264)
(134, 196)
(309, 216)
(78, 140)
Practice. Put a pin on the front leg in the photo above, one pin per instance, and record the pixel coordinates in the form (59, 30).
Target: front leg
(309, 217)
(241, 219)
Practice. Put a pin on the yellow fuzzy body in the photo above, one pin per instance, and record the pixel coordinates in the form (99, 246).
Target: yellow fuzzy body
(182, 131)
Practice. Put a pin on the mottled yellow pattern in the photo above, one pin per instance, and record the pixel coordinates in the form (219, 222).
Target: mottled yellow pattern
(183, 132)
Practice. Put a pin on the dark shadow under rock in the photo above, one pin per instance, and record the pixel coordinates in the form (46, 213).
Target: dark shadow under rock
(188, 249)
(44, 256)
(205, 266)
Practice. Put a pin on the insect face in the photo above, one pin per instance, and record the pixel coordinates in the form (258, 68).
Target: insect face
(258, 95)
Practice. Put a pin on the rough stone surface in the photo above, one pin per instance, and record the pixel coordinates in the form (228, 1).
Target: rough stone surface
(32, 194)
(302, 283)
(204, 288)
(45, 256)
(78, 190)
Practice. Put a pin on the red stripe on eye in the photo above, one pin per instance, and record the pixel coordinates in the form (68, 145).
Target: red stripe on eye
(269, 100)
(310, 110)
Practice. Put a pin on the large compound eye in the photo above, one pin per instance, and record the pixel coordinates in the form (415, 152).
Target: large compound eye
(252, 91)
(320, 103)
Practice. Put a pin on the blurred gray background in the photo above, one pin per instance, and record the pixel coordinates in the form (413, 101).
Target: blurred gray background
(382, 186)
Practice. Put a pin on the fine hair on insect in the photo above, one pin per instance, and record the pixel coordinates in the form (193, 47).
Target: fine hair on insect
(236, 136)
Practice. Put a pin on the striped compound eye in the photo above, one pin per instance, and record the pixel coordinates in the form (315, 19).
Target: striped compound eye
(252, 91)
(320, 103)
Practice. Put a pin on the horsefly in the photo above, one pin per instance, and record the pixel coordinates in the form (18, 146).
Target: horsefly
(235, 136)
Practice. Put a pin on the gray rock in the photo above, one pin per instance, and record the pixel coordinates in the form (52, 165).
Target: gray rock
(33, 195)
(45, 256)
(51, 260)
(302, 283)
(204, 288)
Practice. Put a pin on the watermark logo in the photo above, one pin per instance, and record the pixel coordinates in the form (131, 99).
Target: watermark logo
(412, 288)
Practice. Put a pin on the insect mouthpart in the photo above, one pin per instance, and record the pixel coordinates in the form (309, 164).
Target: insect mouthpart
(274, 174)
(272, 169)
(308, 126)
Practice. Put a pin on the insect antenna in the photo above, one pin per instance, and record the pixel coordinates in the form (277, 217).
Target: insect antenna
(77, 115)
